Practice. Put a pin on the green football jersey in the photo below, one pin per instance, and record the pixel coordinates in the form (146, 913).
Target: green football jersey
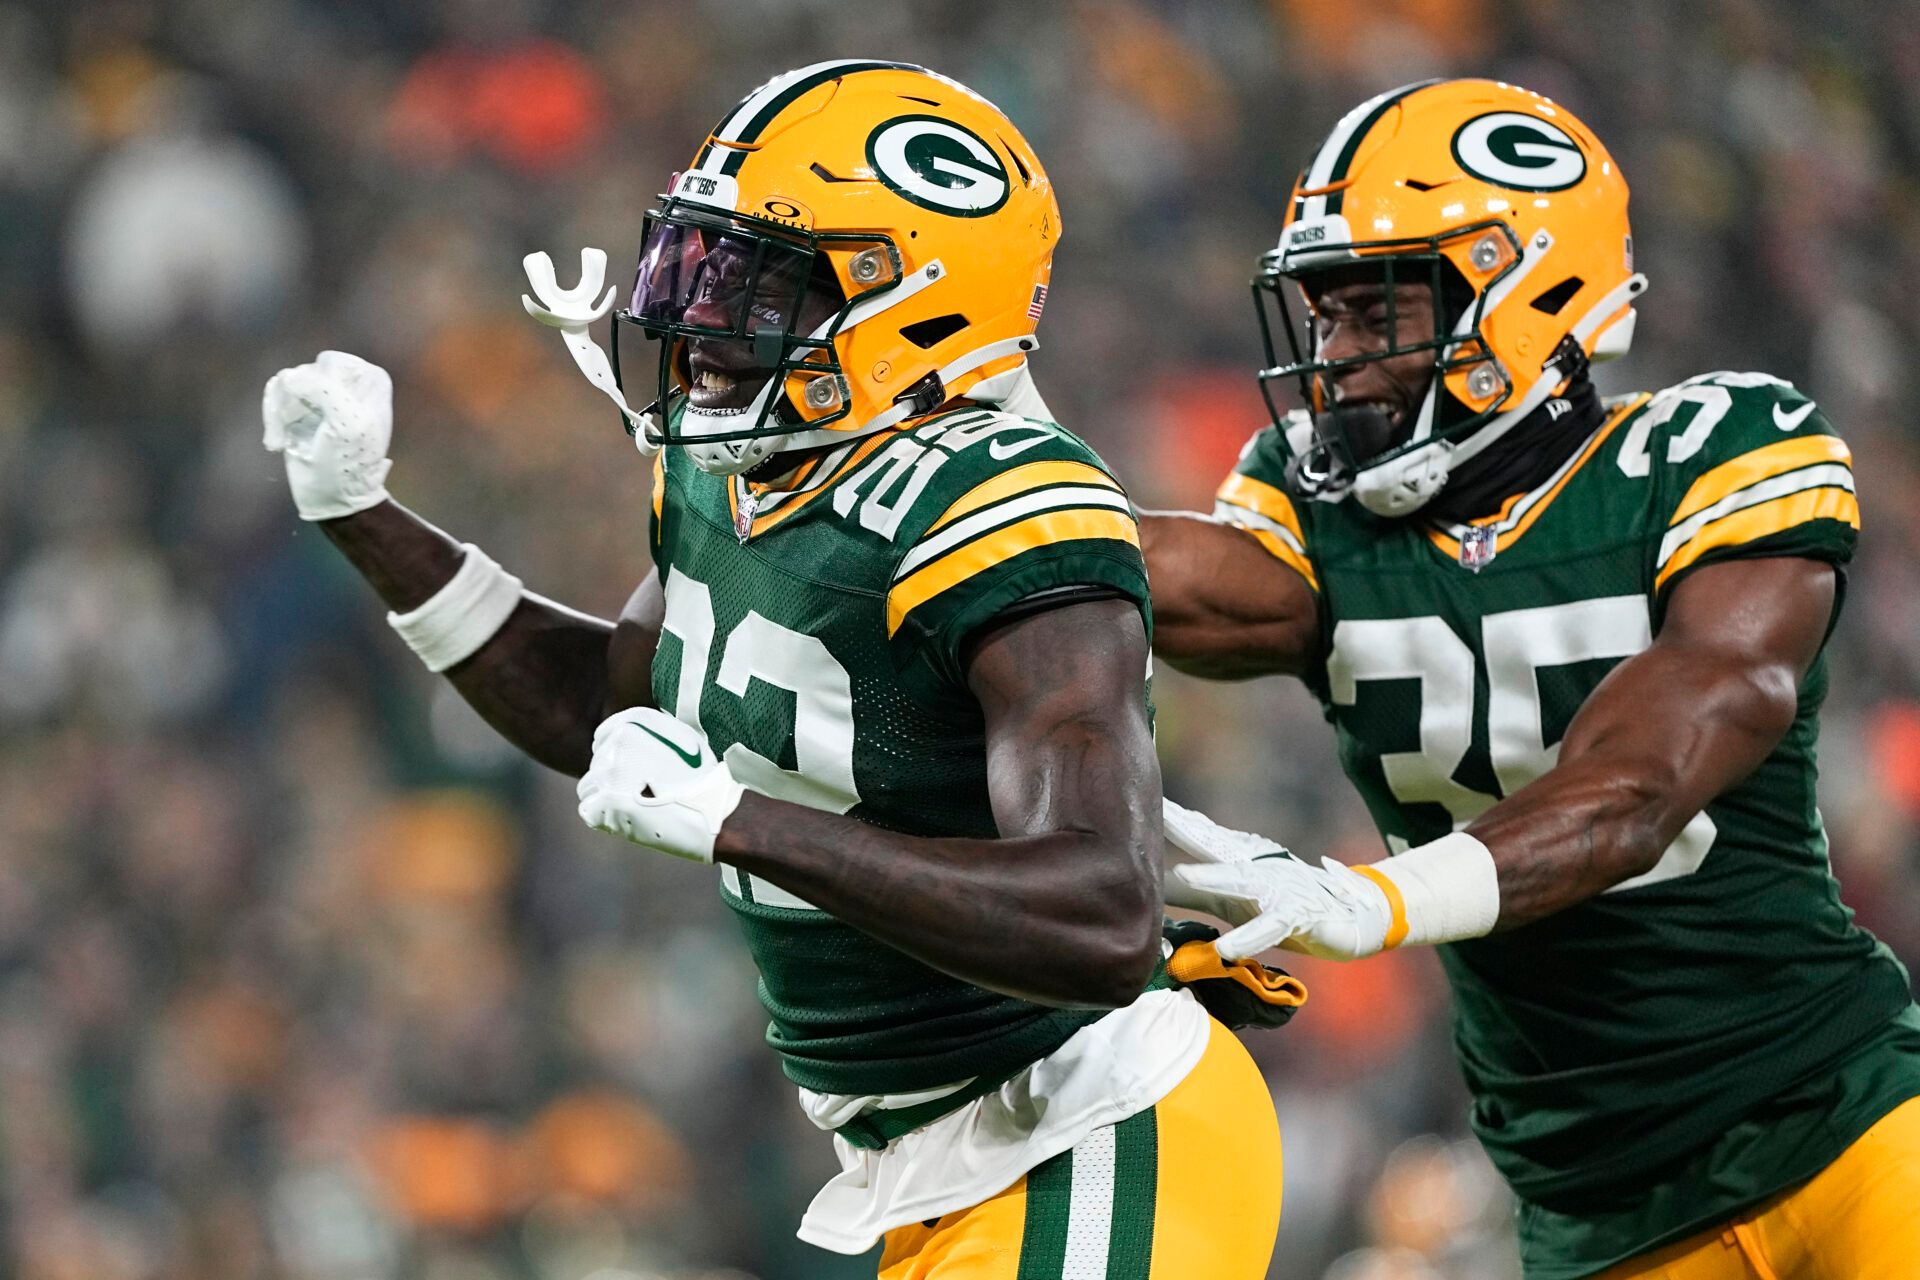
(816, 635)
(1639, 1062)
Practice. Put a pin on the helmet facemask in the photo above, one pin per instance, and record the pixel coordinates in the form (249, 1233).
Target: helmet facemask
(745, 312)
(1464, 386)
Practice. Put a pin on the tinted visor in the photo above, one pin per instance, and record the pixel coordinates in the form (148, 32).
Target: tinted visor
(695, 278)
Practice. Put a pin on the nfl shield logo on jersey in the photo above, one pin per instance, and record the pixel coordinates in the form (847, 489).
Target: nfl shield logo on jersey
(743, 511)
(1477, 547)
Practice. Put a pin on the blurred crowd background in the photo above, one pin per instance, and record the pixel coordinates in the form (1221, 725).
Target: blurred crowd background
(304, 975)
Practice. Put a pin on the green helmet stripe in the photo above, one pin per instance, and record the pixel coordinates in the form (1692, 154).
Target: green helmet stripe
(1339, 171)
(749, 129)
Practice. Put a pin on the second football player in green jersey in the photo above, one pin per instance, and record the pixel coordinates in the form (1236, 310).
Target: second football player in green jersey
(1573, 654)
(1722, 990)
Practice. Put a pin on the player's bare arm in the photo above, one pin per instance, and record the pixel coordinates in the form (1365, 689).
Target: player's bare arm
(542, 674)
(1668, 730)
(1223, 607)
(1064, 908)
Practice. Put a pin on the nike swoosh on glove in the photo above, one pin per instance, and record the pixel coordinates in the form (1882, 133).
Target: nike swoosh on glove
(332, 422)
(654, 781)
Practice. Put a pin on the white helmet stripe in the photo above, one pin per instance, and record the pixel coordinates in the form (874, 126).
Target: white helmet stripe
(1327, 160)
(742, 116)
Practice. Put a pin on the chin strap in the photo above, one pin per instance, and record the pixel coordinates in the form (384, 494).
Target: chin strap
(912, 407)
(1619, 296)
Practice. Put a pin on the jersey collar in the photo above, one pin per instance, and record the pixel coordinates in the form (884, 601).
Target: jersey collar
(1518, 514)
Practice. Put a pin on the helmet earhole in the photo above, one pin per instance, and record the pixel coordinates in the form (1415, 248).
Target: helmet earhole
(931, 332)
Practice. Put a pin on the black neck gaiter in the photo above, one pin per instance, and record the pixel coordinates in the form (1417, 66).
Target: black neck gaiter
(1527, 455)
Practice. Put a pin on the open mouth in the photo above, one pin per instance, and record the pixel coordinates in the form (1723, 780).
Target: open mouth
(1370, 426)
(720, 389)
(1393, 410)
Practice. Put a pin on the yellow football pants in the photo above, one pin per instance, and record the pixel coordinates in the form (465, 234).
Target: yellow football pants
(1186, 1190)
(1858, 1219)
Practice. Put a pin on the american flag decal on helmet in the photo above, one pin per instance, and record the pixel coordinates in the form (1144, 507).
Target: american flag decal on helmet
(1039, 302)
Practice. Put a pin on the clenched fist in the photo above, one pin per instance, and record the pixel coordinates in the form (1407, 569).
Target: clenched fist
(332, 420)
(655, 781)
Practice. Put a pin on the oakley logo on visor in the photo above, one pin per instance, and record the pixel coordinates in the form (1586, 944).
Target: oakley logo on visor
(1519, 151)
(938, 165)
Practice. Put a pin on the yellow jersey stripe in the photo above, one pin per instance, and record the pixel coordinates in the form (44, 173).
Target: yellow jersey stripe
(659, 483)
(1070, 525)
(1822, 475)
(1761, 464)
(1762, 519)
(1263, 499)
(1059, 497)
(1020, 479)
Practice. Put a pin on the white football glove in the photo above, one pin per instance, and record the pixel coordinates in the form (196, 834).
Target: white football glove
(332, 420)
(655, 781)
(1196, 837)
(1275, 899)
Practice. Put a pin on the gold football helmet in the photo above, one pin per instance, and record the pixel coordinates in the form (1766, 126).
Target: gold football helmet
(854, 244)
(1512, 212)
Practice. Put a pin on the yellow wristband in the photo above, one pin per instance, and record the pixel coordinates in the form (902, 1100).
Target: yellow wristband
(1446, 890)
(1397, 928)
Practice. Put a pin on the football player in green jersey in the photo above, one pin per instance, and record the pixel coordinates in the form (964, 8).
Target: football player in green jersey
(889, 673)
(1572, 652)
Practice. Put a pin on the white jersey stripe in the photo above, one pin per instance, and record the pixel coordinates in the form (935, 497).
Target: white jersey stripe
(992, 517)
(1090, 1207)
(1234, 513)
(1834, 475)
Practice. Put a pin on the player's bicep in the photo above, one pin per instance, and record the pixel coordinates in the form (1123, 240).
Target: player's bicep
(1069, 745)
(1226, 605)
(630, 650)
(1702, 706)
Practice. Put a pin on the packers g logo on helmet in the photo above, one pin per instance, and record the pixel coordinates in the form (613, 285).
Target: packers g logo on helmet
(818, 307)
(1523, 152)
(938, 165)
(1415, 187)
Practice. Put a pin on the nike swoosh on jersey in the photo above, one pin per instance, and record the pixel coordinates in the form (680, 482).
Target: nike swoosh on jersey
(1789, 420)
(691, 757)
(1001, 450)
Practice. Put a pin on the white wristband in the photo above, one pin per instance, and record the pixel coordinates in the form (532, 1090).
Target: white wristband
(463, 615)
(1448, 888)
